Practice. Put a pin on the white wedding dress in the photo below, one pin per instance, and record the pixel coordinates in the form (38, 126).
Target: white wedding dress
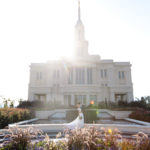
(78, 122)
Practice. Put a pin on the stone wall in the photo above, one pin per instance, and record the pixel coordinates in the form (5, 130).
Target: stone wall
(60, 127)
(120, 114)
(43, 114)
(116, 114)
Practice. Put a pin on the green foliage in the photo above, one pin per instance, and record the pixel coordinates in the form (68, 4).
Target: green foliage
(90, 116)
(29, 104)
(39, 105)
(123, 103)
(92, 106)
(7, 147)
(5, 103)
(143, 102)
(12, 115)
(11, 104)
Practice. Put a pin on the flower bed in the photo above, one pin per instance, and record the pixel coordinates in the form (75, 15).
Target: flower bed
(140, 115)
(88, 138)
(12, 115)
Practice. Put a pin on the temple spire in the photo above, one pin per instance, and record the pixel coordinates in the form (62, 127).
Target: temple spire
(81, 45)
(79, 13)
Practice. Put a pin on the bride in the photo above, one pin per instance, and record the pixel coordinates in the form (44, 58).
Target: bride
(78, 122)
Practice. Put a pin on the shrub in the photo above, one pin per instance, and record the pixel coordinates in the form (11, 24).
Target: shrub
(11, 115)
(139, 103)
(90, 116)
(140, 115)
(143, 102)
(102, 105)
(42, 105)
(29, 104)
(123, 103)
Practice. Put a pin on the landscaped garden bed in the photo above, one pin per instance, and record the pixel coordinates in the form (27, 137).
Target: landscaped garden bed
(88, 138)
(142, 115)
(12, 115)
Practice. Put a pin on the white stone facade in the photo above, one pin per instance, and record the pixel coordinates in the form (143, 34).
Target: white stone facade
(82, 78)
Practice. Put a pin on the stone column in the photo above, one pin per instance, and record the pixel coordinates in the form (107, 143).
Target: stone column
(31, 97)
(99, 98)
(61, 98)
(74, 75)
(130, 96)
(88, 99)
(72, 100)
(48, 98)
(112, 97)
(85, 75)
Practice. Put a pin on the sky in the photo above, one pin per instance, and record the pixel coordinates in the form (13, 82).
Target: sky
(34, 31)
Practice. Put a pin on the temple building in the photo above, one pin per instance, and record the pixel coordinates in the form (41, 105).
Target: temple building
(82, 78)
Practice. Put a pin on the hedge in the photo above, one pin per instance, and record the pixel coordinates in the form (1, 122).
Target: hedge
(12, 115)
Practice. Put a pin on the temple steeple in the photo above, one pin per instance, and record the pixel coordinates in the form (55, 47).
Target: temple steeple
(81, 45)
(79, 14)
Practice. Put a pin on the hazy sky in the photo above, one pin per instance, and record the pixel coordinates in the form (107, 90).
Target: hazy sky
(40, 30)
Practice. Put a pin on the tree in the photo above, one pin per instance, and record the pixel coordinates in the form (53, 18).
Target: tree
(11, 104)
(5, 101)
